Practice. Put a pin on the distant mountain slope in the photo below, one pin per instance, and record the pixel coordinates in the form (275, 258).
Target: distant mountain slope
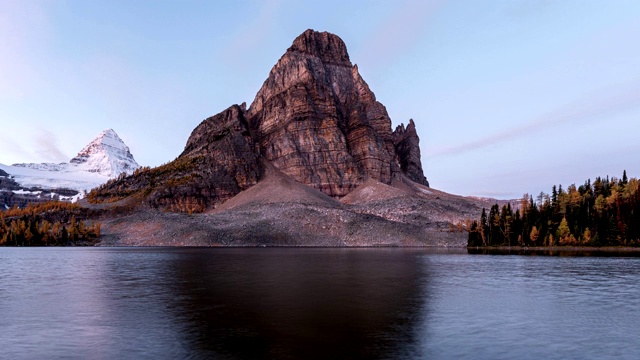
(104, 158)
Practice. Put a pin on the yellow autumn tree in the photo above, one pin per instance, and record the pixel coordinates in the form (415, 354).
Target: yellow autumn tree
(563, 233)
(586, 237)
(534, 235)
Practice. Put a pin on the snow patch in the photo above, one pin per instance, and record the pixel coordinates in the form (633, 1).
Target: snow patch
(26, 192)
(72, 178)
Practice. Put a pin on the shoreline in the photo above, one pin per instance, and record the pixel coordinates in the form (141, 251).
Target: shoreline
(524, 249)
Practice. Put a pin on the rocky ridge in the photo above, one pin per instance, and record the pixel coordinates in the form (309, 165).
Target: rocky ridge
(217, 163)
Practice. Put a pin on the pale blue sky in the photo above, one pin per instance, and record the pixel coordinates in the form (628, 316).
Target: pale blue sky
(508, 96)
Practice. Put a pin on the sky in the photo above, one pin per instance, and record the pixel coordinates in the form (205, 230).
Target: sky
(508, 96)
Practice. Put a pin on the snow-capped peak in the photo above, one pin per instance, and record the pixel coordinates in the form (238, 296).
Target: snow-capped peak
(107, 155)
(106, 139)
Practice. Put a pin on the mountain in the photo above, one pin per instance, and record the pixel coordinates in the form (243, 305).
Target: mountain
(314, 119)
(106, 155)
(104, 158)
(312, 161)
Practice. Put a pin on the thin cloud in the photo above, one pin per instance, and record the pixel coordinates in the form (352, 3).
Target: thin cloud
(257, 30)
(47, 147)
(401, 29)
(597, 105)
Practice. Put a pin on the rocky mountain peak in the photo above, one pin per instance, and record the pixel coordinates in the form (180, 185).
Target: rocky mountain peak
(314, 119)
(106, 139)
(326, 46)
(407, 146)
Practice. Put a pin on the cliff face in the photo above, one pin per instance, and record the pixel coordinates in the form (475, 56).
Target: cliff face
(314, 119)
(225, 143)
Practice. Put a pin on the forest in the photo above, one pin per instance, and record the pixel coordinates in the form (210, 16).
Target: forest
(47, 224)
(603, 213)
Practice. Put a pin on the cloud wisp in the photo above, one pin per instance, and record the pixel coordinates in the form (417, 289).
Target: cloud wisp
(47, 147)
(24, 32)
(594, 106)
(257, 29)
(399, 32)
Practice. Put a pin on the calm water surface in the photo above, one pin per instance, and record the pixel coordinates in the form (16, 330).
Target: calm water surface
(121, 303)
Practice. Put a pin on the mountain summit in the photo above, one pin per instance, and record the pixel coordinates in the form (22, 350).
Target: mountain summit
(324, 45)
(107, 154)
(314, 119)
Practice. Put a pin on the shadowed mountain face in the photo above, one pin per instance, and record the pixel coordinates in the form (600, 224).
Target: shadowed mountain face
(407, 145)
(314, 119)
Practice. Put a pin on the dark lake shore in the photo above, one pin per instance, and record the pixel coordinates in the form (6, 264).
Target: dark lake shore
(557, 250)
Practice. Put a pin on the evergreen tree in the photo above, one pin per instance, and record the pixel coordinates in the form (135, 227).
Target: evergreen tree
(605, 212)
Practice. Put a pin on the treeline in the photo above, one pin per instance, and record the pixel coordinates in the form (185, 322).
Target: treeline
(603, 213)
(43, 224)
(179, 186)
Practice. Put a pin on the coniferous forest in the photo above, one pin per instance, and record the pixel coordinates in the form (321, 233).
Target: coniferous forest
(603, 213)
(45, 224)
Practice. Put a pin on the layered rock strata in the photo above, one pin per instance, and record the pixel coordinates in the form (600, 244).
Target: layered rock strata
(316, 119)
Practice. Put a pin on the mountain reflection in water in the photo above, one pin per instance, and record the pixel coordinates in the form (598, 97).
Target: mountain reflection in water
(297, 303)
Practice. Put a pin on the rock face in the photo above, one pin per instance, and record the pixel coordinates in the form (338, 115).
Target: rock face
(314, 119)
(407, 145)
(224, 142)
(217, 163)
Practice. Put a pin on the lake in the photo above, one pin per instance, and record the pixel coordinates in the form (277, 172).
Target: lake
(318, 303)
